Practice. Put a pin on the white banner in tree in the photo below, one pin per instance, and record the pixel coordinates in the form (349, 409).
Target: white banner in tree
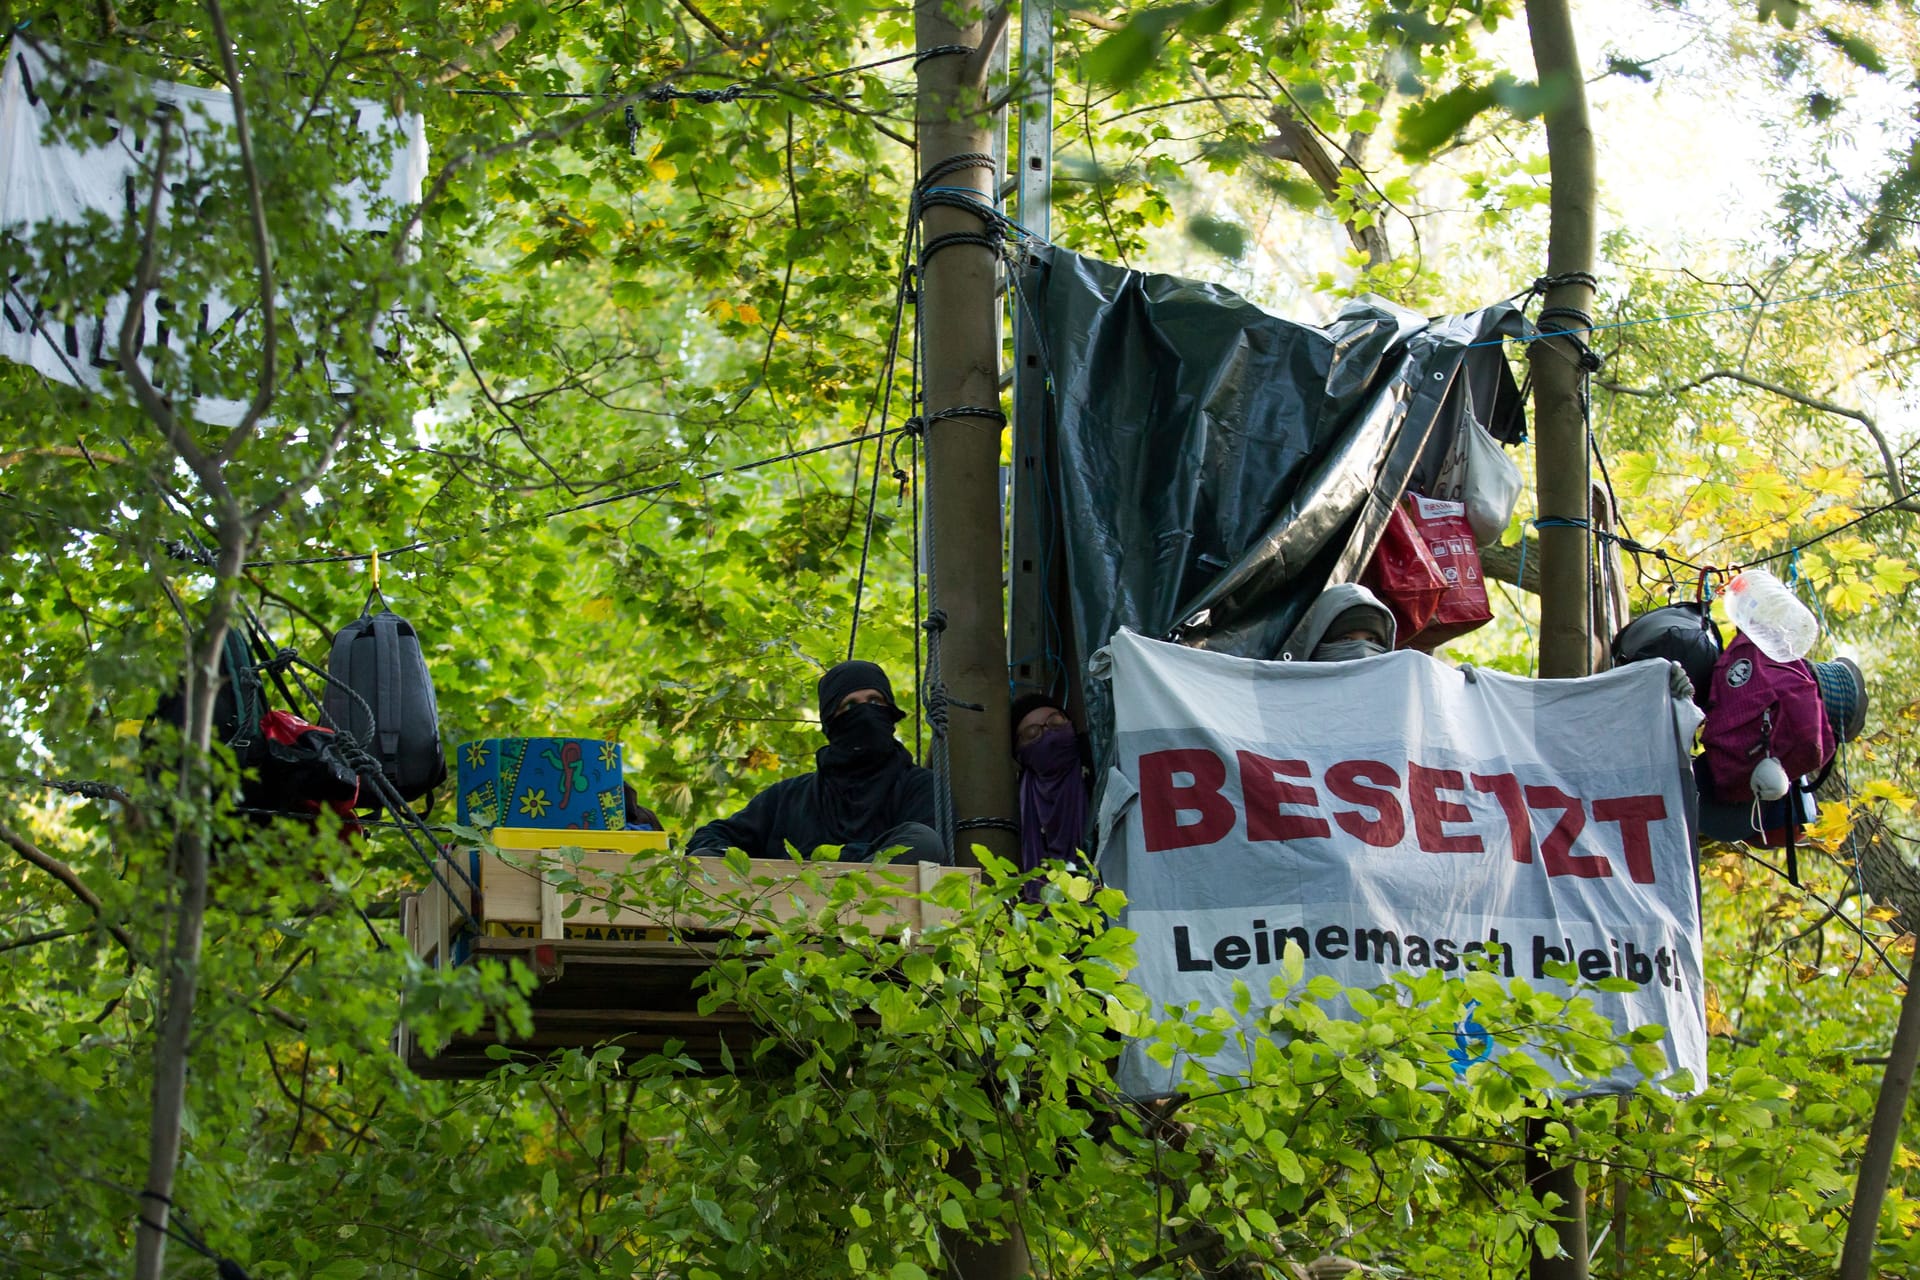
(43, 181)
(1388, 815)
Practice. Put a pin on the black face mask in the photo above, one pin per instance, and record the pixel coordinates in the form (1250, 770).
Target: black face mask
(861, 733)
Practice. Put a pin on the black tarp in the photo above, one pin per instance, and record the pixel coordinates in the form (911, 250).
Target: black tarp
(1215, 467)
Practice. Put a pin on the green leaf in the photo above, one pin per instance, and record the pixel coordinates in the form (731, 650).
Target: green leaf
(716, 1217)
(1424, 127)
(1124, 56)
(1228, 239)
(1859, 51)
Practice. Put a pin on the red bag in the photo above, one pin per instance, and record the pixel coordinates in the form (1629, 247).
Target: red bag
(1404, 574)
(1443, 528)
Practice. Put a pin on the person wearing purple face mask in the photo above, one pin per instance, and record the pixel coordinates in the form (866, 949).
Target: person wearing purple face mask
(1054, 786)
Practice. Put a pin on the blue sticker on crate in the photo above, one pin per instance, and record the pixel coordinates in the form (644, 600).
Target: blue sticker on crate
(554, 783)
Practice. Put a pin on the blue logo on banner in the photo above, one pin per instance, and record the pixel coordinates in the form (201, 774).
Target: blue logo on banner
(1471, 1041)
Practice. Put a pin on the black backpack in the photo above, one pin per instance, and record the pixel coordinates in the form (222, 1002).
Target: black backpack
(380, 695)
(1682, 633)
(237, 707)
(289, 766)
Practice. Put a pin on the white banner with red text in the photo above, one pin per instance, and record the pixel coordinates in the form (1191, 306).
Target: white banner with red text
(1392, 815)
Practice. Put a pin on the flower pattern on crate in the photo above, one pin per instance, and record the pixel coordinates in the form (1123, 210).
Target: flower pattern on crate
(476, 755)
(534, 803)
(609, 755)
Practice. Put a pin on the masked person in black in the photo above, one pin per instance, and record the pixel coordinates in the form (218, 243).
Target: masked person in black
(866, 795)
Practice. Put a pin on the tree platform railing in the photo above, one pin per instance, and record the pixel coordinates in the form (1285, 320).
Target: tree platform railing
(611, 967)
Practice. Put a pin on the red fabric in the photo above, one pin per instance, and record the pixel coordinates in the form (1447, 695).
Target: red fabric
(287, 729)
(1404, 574)
(1443, 529)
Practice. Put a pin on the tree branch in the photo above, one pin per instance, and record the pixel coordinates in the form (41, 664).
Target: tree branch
(713, 28)
(1502, 561)
(146, 277)
(974, 73)
(494, 44)
(546, 133)
(60, 871)
(1895, 481)
(1296, 142)
(262, 243)
(35, 939)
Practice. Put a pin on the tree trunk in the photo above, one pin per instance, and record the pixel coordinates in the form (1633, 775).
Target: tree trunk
(1560, 451)
(1883, 1136)
(1560, 431)
(182, 972)
(958, 318)
(962, 354)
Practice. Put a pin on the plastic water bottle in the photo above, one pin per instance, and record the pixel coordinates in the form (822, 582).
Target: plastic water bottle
(1771, 615)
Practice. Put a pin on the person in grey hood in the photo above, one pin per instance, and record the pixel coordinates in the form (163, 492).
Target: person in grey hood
(1346, 622)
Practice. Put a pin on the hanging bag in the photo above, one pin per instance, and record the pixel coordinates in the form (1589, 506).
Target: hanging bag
(1463, 606)
(380, 696)
(1404, 574)
(1480, 476)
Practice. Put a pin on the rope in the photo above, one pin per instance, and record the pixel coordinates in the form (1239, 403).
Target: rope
(866, 546)
(411, 825)
(918, 426)
(942, 51)
(706, 97)
(959, 162)
(517, 522)
(884, 399)
(1730, 309)
(953, 239)
(225, 1267)
(987, 824)
(1589, 359)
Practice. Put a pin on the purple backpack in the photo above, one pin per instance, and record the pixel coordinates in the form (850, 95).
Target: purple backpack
(1756, 708)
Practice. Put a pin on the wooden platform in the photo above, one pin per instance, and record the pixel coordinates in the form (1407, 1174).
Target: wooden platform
(611, 969)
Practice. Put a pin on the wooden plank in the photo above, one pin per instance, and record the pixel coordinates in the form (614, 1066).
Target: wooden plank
(775, 889)
(600, 950)
(434, 928)
(550, 926)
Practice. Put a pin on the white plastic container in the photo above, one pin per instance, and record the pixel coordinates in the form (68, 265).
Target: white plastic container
(1769, 614)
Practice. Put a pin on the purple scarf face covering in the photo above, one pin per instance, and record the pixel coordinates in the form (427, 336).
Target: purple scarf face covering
(1053, 798)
